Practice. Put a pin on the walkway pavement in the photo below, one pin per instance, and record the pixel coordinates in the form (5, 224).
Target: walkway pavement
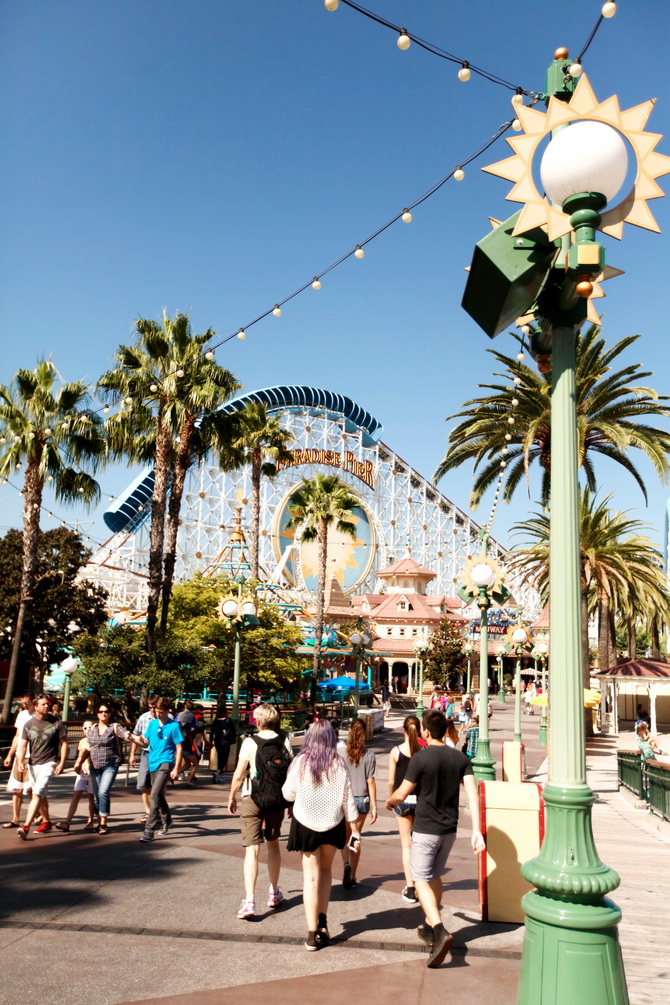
(156, 924)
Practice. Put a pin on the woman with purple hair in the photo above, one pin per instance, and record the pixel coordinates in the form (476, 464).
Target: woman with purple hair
(318, 786)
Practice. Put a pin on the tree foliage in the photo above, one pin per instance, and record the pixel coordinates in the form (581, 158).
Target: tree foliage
(445, 658)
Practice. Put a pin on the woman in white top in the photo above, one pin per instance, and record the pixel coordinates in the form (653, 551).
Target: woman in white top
(318, 785)
(362, 767)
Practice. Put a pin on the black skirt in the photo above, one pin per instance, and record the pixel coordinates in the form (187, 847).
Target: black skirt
(303, 838)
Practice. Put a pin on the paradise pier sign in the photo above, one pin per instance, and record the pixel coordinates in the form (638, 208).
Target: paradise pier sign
(347, 461)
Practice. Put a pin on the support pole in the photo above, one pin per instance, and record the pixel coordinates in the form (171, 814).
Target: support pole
(483, 764)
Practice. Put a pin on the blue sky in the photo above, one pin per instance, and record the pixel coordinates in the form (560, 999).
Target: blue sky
(212, 157)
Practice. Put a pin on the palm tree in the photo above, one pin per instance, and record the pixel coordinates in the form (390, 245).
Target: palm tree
(262, 442)
(50, 430)
(314, 506)
(616, 561)
(171, 392)
(609, 410)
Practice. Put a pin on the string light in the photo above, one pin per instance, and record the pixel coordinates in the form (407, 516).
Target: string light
(459, 174)
(106, 409)
(128, 400)
(359, 253)
(31, 436)
(406, 216)
(47, 432)
(153, 388)
(316, 283)
(575, 69)
(464, 72)
(209, 355)
(520, 356)
(404, 41)
(276, 311)
(331, 4)
(518, 97)
(180, 373)
(241, 334)
(516, 126)
(609, 10)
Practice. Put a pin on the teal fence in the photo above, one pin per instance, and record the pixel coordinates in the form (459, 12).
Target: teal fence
(629, 771)
(658, 788)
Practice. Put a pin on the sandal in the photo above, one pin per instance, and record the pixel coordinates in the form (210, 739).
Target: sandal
(63, 825)
(10, 823)
(91, 827)
(102, 829)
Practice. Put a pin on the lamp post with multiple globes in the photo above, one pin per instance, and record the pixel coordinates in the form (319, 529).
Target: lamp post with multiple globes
(240, 613)
(359, 642)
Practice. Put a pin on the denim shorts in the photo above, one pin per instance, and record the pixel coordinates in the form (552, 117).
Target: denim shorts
(362, 804)
(405, 809)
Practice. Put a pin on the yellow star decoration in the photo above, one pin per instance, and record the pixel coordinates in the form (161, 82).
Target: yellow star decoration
(509, 635)
(537, 211)
(466, 574)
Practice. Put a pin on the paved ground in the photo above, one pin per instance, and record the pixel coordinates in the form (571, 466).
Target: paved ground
(85, 916)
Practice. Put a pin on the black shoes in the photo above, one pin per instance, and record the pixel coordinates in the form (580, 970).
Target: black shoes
(346, 878)
(444, 940)
(425, 933)
(167, 823)
(322, 933)
(409, 894)
(311, 942)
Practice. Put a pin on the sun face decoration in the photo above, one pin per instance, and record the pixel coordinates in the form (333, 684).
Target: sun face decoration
(480, 563)
(583, 105)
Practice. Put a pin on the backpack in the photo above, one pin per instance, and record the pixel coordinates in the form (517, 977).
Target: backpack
(272, 761)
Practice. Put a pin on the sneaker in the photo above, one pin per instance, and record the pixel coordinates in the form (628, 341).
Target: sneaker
(425, 933)
(275, 898)
(247, 909)
(346, 878)
(443, 943)
(167, 823)
(44, 827)
(322, 933)
(23, 832)
(409, 894)
(311, 942)
(147, 836)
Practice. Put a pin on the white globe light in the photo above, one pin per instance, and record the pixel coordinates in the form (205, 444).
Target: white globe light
(501, 650)
(277, 311)
(404, 41)
(609, 10)
(459, 174)
(584, 157)
(483, 575)
(406, 216)
(464, 74)
(520, 636)
(359, 253)
(356, 639)
(331, 4)
(241, 334)
(575, 69)
(316, 285)
(543, 648)
(516, 126)
(366, 639)
(209, 355)
(230, 608)
(248, 608)
(69, 665)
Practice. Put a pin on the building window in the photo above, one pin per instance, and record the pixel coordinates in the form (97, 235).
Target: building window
(401, 631)
(415, 632)
(389, 632)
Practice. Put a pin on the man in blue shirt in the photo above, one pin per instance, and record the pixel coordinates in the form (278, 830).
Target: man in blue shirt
(164, 739)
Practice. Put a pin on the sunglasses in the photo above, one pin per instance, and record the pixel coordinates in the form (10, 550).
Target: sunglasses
(103, 711)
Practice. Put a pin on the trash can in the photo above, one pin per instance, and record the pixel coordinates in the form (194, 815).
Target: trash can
(513, 757)
(512, 822)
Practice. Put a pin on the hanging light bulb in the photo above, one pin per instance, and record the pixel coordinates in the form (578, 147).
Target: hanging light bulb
(511, 420)
(3, 439)
(106, 409)
(51, 516)
(518, 97)
(520, 356)
(277, 311)
(111, 498)
(180, 373)
(505, 450)
(575, 69)
(153, 388)
(51, 478)
(406, 216)
(331, 4)
(525, 329)
(516, 126)
(503, 464)
(459, 174)
(241, 334)
(517, 381)
(515, 402)
(359, 253)
(464, 72)
(129, 400)
(316, 283)
(47, 432)
(81, 489)
(31, 436)
(404, 41)
(140, 508)
(609, 10)
(209, 355)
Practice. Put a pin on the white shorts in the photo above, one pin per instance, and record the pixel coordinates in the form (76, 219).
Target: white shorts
(83, 784)
(40, 776)
(15, 785)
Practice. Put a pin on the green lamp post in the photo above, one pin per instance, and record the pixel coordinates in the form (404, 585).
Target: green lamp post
(501, 684)
(68, 666)
(240, 613)
(359, 641)
(543, 650)
(420, 650)
(482, 579)
(571, 948)
(468, 649)
(520, 639)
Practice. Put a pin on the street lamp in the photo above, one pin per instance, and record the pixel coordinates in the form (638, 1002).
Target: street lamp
(68, 666)
(420, 650)
(482, 579)
(501, 684)
(520, 638)
(468, 649)
(543, 650)
(359, 641)
(240, 613)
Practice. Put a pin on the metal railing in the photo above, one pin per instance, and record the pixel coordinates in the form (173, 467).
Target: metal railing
(629, 771)
(658, 788)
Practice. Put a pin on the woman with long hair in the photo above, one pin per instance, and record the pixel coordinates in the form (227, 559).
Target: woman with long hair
(102, 746)
(399, 759)
(318, 785)
(451, 736)
(362, 767)
(222, 736)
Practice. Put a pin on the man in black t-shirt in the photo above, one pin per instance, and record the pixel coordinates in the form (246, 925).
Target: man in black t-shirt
(47, 740)
(438, 771)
